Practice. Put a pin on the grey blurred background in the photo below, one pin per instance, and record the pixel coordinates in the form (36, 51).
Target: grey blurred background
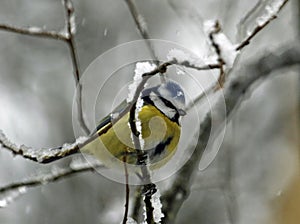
(259, 155)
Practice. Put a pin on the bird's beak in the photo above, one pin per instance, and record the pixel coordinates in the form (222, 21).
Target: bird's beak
(181, 112)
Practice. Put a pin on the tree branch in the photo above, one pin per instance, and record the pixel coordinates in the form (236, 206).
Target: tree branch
(67, 37)
(127, 192)
(233, 94)
(34, 31)
(261, 25)
(71, 31)
(239, 47)
(250, 16)
(216, 29)
(189, 64)
(11, 191)
(49, 155)
(42, 155)
(142, 26)
(50, 177)
(137, 203)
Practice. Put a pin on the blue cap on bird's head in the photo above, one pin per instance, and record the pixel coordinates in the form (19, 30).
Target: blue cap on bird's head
(173, 92)
(170, 91)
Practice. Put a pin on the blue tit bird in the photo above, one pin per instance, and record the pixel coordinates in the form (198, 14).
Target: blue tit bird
(159, 122)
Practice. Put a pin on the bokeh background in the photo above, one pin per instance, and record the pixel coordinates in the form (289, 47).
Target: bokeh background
(255, 176)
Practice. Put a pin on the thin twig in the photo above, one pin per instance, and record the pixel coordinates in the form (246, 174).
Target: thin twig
(137, 203)
(148, 187)
(258, 28)
(67, 37)
(142, 26)
(216, 29)
(149, 207)
(188, 64)
(50, 178)
(126, 193)
(34, 31)
(233, 94)
(247, 18)
(71, 30)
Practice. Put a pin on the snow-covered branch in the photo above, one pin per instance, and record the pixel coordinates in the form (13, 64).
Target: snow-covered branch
(262, 21)
(12, 191)
(233, 94)
(34, 31)
(43, 155)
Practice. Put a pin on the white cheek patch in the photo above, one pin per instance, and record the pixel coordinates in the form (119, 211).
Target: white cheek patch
(175, 100)
(169, 112)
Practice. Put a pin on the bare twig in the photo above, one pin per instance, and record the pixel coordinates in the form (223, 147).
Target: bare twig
(137, 203)
(188, 64)
(234, 92)
(67, 37)
(126, 193)
(71, 30)
(142, 27)
(261, 26)
(34, 31)
(216, 29)
(50, 177)
(249, 17)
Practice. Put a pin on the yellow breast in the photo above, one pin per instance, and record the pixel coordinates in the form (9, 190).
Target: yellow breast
(160, 137)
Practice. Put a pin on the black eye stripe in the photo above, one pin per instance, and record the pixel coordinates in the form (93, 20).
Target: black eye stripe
(167, 103)
(175, 118)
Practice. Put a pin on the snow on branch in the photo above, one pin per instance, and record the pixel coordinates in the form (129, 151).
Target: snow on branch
(67, 35)
(138, 88)
(271, 12)
(140, 69)
(223, 47)
(70, 21)
(233, 94)
(46, 155)
(12, 191)
(43, 155)
(179, 57)
(134, 96)
(35, 31)
(157, 207)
